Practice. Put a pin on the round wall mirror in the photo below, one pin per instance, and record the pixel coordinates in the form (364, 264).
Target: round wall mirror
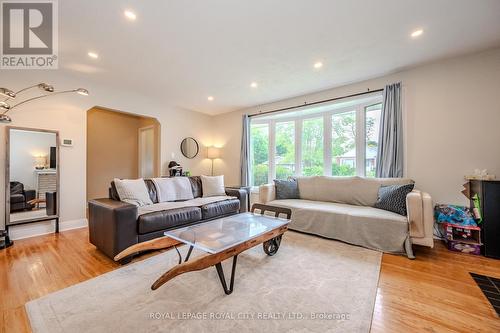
(190, 147)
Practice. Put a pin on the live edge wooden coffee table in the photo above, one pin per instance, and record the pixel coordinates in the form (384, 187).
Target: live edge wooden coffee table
(221, 239)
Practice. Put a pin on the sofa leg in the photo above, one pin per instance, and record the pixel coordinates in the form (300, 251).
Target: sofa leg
(409, 249)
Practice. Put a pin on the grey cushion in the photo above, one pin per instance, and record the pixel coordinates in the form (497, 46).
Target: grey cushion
(393, 198)
(196, 186)
(151, 190)
(286, 189)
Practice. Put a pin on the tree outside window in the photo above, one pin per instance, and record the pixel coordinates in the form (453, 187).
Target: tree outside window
(312, 147)
(285, 149)
(259, 153)
(344, 144)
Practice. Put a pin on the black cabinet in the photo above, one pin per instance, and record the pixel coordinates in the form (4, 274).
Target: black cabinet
(489, 196)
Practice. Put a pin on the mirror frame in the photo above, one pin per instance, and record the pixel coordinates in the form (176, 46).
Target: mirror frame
(197, 147)
(7, 179)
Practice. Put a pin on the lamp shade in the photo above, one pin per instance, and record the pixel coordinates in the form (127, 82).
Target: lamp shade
(40, 161)
(213, 153)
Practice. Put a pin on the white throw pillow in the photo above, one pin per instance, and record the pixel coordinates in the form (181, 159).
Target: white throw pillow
(133, 191)
(212, 186)
(173, 189)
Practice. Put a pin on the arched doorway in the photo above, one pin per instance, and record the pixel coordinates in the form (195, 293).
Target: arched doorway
(120, 145)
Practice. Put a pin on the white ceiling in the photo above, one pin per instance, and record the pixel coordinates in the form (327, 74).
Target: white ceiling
(179, 51)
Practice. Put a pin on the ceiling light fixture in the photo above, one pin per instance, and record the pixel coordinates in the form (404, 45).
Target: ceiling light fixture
(11, 95)
(130, 15)
(46, 87)
(210, 98)
(82, 91)
(318, 65)
(93, 55)
(4, 106)
(4, 118)
(254, 85)
(417, 33)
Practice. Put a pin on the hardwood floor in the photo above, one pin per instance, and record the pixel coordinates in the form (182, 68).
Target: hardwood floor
(433, 293)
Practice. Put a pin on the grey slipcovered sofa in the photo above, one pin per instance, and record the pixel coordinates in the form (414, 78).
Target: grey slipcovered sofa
(342, 208)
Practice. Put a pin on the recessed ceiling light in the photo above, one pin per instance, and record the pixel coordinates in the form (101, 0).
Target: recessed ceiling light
(210, 98)
(318, 65)
(93, 55)
(130, 15)
(253, 84)
(417, 33)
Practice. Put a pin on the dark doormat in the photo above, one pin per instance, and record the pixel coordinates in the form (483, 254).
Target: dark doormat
(490, 287)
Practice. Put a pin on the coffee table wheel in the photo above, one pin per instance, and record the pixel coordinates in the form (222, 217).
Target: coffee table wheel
(271, 246)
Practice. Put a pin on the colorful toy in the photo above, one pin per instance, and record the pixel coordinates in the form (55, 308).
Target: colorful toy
(458, 215)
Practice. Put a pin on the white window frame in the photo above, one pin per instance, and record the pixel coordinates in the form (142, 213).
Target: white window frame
(327, 137)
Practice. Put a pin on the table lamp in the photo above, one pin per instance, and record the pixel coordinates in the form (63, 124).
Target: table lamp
(40, 162)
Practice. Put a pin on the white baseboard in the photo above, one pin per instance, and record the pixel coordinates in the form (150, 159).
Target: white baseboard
(43, 228)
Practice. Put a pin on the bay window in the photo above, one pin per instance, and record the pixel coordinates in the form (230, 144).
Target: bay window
(336, 139)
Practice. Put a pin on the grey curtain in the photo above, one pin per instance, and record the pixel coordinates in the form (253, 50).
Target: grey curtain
(390, 141)
(245, 152)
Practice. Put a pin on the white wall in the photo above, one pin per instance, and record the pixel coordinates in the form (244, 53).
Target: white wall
(67, 114)
(452, 110)
(24, 146)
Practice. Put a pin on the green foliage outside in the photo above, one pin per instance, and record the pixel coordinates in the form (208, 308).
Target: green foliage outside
(285, 150)
(312, 147)
(259, 141)
(260, 174)
(343, 141)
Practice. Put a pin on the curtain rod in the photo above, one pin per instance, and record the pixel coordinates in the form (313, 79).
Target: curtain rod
(314, 103)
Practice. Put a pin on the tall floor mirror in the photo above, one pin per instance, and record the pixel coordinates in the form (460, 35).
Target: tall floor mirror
(31, 176)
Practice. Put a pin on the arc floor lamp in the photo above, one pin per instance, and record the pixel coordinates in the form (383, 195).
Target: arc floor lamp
(213, 153)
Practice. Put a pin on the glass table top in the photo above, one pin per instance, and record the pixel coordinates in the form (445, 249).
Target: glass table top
(220, 234)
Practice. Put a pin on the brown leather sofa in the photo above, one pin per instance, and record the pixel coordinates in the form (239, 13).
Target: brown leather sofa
(115, 225)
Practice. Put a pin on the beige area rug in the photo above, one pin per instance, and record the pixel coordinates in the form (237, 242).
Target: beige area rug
(310, 285)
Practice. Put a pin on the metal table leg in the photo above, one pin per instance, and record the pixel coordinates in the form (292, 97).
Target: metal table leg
(220, 272)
